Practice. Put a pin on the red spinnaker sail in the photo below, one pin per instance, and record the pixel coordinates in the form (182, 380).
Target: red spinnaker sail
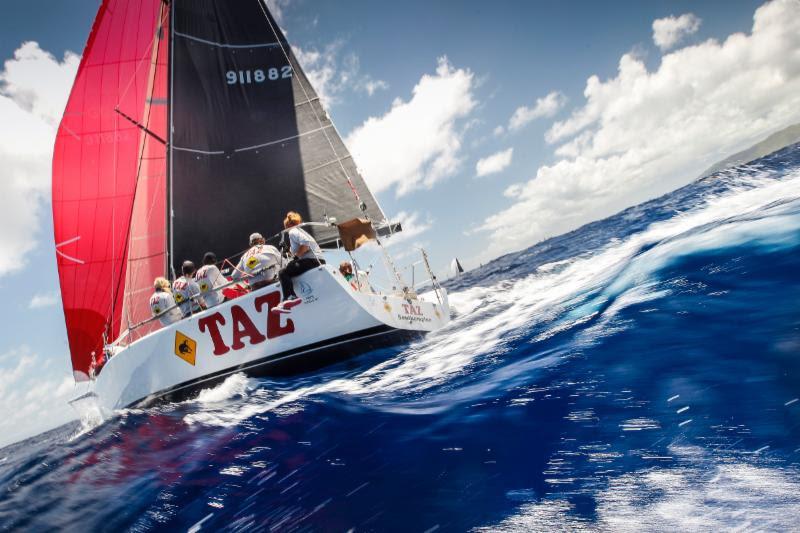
(96, 163)
(147, 249)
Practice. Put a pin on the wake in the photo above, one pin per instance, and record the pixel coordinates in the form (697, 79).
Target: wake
(581, 294)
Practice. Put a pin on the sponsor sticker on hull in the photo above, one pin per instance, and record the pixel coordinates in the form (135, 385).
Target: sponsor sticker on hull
(185, 348)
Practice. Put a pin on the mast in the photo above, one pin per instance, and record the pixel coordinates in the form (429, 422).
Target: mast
(169, 268)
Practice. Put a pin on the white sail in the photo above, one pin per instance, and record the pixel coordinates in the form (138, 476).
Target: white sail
(455, 268)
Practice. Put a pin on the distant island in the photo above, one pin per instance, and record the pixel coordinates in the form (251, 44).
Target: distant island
(773, 143)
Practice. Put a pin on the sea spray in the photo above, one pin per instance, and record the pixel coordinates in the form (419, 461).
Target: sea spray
(639, 373)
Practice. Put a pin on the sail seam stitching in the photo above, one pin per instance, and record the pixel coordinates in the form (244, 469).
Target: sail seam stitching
(218, 152)
(223, 45)
(310, 100)
(246, 148)
(323, 165)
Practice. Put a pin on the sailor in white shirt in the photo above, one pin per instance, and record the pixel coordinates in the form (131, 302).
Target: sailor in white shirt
(260, 264)
(187, 292)
(162, 304)
(306, 254)
(210, 280)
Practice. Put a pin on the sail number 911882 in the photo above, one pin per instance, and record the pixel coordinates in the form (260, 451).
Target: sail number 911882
(258, 75)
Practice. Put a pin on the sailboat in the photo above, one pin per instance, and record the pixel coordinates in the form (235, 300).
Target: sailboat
(455, 268)
(189, 126)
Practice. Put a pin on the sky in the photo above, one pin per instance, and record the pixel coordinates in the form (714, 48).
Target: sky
(483, 127)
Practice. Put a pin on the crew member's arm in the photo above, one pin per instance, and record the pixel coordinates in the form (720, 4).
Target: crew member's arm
(301, 250)
(195, 291)
(236, 275)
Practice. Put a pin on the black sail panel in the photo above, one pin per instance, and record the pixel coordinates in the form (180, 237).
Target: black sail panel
(250, 138)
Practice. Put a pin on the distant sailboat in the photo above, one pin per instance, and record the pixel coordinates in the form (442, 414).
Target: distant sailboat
(189, 126)
(455, 268)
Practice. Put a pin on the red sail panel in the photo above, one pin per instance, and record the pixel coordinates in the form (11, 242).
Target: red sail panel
(147, 248)
(95, 162)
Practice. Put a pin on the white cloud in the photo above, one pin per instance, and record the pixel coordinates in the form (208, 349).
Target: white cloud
(34, 87)
(414, 225)
(371, 86)
(546, 106)
(642, 134)
(498, 131)
(43, 300)
(33, 397)
(331, 75)
(276, 7)
(494, 163)
(321, 69)
(669, 31)
(417, 143)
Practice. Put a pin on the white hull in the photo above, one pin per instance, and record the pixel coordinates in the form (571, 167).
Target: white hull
(333, 320)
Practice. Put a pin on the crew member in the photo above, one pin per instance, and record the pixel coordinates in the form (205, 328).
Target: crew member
(260, 264)
(162, 304)
(306, 254)
(359, 281)
(210, 280)
(187, 292)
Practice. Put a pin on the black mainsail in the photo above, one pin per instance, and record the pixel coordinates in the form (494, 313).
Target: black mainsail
(455, 267)
(249, 138)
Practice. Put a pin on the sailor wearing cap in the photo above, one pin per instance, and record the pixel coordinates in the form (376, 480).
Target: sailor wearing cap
(187, 292)
(260, 264)
(210, 280)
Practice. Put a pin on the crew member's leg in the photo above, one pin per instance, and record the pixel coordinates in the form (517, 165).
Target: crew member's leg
(293, 269)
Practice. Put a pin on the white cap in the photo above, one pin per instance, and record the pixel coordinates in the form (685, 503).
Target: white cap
(255, 237)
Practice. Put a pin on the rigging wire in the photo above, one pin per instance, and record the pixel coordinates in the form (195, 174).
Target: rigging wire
(261, 4)
(361, 205)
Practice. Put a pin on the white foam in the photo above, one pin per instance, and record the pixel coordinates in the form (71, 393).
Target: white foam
(90, 415)
(228, 414)
(716, 497)
(234, 385)
(490, 317)
(558, 297)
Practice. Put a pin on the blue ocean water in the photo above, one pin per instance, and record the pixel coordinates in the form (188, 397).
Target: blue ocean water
(641, 373)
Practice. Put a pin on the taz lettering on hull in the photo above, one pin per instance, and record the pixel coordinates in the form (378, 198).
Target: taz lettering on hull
(413, 313)
(242, 325)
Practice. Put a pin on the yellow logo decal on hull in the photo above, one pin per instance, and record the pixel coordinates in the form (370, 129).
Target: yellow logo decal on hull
(185, 348)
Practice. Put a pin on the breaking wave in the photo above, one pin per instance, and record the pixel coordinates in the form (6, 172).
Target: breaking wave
(640, 373)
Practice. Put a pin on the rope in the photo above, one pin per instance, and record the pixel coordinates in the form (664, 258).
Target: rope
(237, 269)
(160, 24)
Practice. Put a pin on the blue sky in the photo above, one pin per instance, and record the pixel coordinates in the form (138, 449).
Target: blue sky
(586, 108)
